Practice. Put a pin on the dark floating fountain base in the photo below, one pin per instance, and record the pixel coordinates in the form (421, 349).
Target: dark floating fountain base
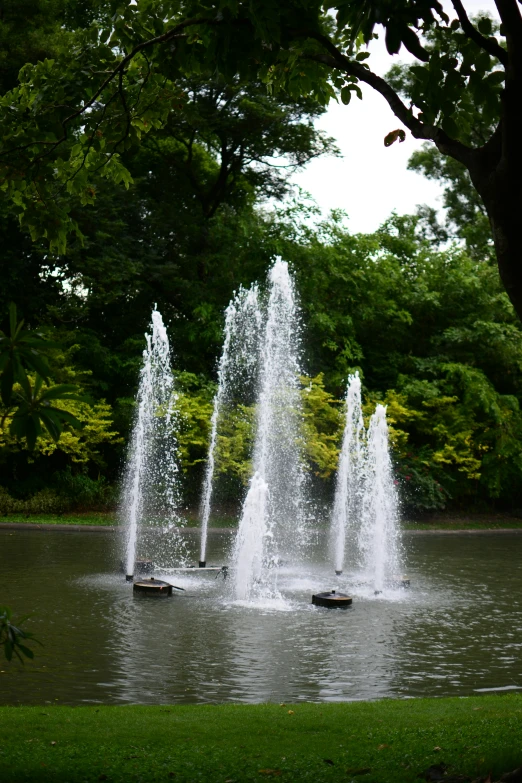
(332, 600)
(202, 564)
(338, 573)
(153, 587)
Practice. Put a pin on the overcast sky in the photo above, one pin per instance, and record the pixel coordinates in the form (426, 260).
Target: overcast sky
(370, 180)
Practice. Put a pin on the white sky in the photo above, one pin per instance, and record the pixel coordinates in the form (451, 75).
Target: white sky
(370, 180)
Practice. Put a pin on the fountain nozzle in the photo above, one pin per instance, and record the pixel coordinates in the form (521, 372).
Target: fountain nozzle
(338, 573)
(129, 578)
(202, 563)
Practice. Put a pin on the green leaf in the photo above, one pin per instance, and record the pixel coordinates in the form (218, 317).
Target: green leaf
(25, 384)
(32, 430)
(60, 391)
(25, 650)
(6, 384)
(12, 318)
(51, 424)
(496, 78)
(346, 95)
(451, 127)
(64, 416)
(484, 25)
(37, 363)
(393, 38)
(413, 45)
(18, 426)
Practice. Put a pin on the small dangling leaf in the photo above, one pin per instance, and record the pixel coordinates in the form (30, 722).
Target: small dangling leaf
(392, 137)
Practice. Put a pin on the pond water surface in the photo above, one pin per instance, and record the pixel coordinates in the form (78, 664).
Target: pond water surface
(456, 631)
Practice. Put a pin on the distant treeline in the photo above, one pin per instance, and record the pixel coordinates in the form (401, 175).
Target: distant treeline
(430, 330)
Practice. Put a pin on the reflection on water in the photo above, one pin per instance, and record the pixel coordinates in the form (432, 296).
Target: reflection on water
(458, 630)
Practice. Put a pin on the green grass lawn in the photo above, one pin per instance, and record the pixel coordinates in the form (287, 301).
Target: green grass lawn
(476, 522)
(377, 742)
(88, 518)
(98, 518)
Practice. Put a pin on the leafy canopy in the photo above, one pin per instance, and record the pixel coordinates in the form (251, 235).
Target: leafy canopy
(126, 70)
(27, 403)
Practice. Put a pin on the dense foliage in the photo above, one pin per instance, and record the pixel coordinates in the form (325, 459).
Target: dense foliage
(119, 74)
(430, 329)
(417, 307)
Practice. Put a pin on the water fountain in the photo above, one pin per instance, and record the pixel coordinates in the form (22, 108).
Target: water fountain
(272, 520)
(150, 497)
(366, 501)
(349, 484)
(238, 359)
(379, 535)
(262, 340)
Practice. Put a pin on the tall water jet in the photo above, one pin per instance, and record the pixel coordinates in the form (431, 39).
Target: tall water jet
(151, 484)
(379, 539)
(272, 521)
(350, 473)
(238, 358)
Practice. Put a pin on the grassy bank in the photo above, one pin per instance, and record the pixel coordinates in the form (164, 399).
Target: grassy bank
(107, 519)
(440, 522)
(376, 742)
(465, 522)
(88, 518)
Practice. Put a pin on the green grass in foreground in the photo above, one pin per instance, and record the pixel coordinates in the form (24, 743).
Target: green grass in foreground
(375, 742)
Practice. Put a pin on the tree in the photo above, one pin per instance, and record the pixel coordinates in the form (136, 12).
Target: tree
(75, 115)
(466, 217)
(434, 337)
(28, 403)
(187, 233)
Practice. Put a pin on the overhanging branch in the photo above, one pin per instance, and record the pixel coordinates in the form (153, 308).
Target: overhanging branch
(420, 130)
(489, 45)
(116, 72)
(511, 17)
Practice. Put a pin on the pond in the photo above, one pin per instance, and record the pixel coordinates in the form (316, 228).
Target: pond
(456, 631)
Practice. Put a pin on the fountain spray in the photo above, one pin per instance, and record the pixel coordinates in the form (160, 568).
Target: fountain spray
(349, 484)
(379, 536)
(239, 357)
(272, 514)
(151, 483)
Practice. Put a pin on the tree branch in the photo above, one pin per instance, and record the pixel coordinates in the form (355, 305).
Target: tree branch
(509, 13)
(420, 130)
(164, 38)
(489, 45)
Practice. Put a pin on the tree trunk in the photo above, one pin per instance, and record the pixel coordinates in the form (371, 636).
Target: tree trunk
(507, 234)
(496, 172)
